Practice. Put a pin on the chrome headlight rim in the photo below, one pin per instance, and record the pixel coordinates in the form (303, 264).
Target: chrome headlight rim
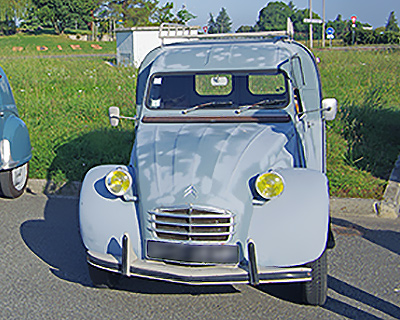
(108, 181)
(278, 178)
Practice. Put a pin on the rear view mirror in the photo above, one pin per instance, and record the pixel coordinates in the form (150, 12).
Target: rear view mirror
(219, 81)
(329, 107)
(113, 114)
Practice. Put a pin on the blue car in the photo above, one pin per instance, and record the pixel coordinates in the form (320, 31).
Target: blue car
(226, 182)
(15, 145)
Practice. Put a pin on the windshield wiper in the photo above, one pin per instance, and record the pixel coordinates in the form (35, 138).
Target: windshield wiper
(265, 102)
(207, 104)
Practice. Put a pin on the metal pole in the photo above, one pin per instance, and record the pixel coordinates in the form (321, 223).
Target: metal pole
(311, 29)
(323, 23)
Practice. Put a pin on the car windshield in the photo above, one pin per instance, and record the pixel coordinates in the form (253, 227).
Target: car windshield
(218, 91)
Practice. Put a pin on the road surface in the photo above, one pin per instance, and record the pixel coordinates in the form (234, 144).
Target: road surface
(43, 275)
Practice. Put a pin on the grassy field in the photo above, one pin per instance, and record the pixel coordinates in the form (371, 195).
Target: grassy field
(22, 45)
(364, 140)
(64, 102)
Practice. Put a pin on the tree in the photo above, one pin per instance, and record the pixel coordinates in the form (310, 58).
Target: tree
(223, 21)
(183, 16)
(291, 6)
(61, 14)
(54, 11)
(165, 14)
(7, 27)
(392, 25)
(84, 11)
(135, 12)
(13, 9)
(297, 17)
(148, 12)
(222, 24)
(211, 25)
(244, 29)
(339, 25)
(273, 17)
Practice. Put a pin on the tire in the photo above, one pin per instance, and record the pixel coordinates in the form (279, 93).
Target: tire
(13, 182)
(315, 291)
(102, 278)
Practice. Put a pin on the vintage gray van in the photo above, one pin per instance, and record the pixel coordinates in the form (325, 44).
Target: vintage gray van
(15, 144)
(226, 183)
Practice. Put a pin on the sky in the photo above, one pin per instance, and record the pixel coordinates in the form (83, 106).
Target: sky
(245, 12)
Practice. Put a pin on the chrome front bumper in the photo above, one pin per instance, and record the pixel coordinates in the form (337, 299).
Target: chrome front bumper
(248, 273)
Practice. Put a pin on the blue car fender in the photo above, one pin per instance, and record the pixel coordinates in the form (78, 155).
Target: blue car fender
(292, 229)
(105, 218)
(15, 134)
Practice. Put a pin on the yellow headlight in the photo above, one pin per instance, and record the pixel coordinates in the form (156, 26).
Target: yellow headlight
(118, 182)
(269, 185)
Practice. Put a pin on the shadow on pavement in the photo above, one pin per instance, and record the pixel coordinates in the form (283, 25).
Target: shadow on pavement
(56, 240)
(347, 311)
(357, 294)
(385, 238)
(145, 286)
(292, 293)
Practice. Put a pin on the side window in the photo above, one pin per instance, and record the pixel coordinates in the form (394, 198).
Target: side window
(155, 92)
(6, 97)
(170, 91)
(297, 103)
(213, 84)
(267, 84)
(297, 72)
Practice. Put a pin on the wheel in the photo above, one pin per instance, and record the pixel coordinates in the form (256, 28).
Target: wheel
(13, 182)
(315, 291)
(102, 278)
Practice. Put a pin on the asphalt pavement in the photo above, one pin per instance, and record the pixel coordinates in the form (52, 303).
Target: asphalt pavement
(44, 273)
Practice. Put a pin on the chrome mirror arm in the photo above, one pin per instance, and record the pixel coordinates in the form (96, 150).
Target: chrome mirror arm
(114, 116)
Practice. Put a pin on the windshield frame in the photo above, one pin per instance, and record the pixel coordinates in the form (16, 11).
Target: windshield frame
(235, 96)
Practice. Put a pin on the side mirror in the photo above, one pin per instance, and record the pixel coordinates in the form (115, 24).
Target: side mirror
(113, 114)
(329, 107)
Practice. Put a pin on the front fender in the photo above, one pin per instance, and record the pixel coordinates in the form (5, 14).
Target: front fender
(15, 144)
(292, 229)
(105, 218)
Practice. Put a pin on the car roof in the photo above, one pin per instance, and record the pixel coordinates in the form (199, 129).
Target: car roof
(238, 54)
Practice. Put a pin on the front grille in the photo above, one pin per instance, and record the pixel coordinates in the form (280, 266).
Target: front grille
(192, 224)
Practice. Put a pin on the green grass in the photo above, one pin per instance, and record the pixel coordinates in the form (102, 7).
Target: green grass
(29, 43)
(64, 102)
(364, 140)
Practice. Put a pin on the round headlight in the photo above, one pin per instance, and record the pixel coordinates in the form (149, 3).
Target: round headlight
(269, 185)
(118, 182)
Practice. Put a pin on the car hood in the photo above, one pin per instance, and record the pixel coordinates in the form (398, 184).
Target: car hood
(208, 164)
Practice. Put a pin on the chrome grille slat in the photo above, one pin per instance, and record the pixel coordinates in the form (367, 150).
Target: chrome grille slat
(199, 216)
(196, 234)
(220, 225)
(192, 224)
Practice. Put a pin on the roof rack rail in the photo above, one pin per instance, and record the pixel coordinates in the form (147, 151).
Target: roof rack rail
(178, 31)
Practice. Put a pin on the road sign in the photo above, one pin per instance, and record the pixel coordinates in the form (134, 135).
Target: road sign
(312, 21)
(353, 19)
(330, 36)
(330, 30)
